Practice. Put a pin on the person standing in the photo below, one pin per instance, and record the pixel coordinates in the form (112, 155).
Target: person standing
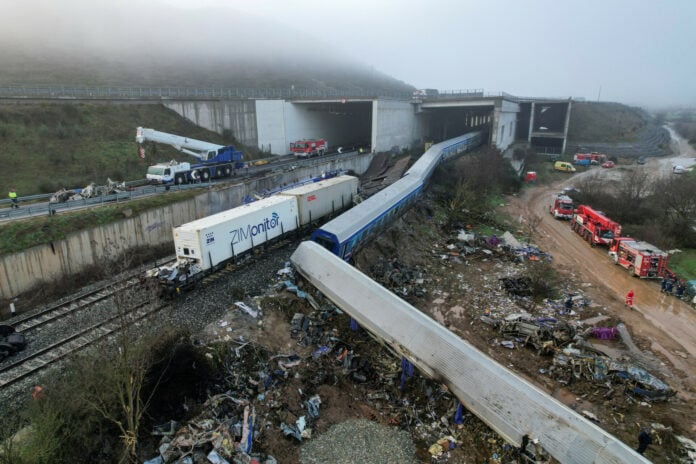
(629, 298)
(13, 197)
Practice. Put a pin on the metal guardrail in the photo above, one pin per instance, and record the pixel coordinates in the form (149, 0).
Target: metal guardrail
(28, 209)
(55, 91)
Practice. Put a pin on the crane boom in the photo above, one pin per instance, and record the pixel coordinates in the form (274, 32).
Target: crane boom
(197, 148)
(214, 161)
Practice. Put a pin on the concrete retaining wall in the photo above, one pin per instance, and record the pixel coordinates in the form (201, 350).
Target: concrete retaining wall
(21, 272)
(239, 116)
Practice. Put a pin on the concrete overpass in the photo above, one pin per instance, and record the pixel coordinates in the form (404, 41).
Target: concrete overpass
(271, 119)
(384, 123)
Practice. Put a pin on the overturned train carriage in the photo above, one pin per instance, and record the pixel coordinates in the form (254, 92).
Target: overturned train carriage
(509, 404)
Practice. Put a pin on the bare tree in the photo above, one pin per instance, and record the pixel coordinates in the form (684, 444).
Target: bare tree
(633, 188)
(530, 226)
(118, 394)
(676, 196)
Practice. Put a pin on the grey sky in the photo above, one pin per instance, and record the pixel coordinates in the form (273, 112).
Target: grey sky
(637, 51)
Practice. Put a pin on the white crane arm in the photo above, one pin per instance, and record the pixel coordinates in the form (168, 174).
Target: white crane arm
(193, 147)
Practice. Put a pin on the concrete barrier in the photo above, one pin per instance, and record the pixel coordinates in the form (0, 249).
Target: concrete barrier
(26, 270)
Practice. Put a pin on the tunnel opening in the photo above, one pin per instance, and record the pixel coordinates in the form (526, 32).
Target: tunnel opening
(344, 124)
(446, 123)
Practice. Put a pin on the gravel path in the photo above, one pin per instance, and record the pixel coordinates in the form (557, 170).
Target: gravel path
(360, 441)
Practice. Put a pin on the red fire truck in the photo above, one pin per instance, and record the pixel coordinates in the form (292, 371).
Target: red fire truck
(308, 148)
(586, 159)
(561, 206)
(641, 259)
(594, 226)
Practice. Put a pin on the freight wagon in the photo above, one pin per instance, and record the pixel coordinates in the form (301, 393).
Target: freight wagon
(205, 245)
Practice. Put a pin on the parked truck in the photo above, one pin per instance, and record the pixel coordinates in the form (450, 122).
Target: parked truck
(214, 161)
(641, 259)
(586, 159)
(308, 148)
(561, 206)
(594, 226)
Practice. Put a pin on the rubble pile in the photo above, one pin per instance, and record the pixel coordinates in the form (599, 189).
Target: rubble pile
(400, 279)
(476, 287)
(298, 401)
(90, 191)
(573, 364)
(275, 404)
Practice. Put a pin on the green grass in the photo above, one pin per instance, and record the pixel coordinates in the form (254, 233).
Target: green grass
(546, 174)
(46, 147)
(684, 264)
(20, 235)
(605, 122)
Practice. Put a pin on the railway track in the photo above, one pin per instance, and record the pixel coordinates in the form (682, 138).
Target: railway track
(31, 362)
(46, 356)
(78, 302)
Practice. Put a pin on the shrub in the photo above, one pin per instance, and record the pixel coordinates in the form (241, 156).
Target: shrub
(542, 279)
(61, 131)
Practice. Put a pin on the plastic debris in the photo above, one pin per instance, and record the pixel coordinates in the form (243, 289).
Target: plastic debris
(244, 307)
(312, 406)
(321, 351)
(215, 458)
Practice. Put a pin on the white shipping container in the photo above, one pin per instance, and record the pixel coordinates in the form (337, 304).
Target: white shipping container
(318, 199)
(219, 237)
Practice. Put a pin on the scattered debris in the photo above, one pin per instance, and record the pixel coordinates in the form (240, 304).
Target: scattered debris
(573, 364)
(90, 191)
(11, 341)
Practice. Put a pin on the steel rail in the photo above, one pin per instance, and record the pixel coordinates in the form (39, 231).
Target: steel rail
(42, 359)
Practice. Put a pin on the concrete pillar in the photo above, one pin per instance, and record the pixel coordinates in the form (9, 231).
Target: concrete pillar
(495, 126)
(565, 129)
(531, 122)
(375, 106)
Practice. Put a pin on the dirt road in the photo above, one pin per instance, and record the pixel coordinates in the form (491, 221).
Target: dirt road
(664, 326)
(668, 323)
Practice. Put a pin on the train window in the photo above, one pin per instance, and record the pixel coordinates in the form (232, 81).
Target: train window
(186, 251)
(328, 244)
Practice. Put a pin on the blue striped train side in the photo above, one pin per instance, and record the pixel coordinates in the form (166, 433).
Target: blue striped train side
(344, 234)
(441, 152)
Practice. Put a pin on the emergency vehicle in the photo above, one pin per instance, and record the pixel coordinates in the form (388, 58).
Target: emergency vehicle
(594, 226)
(561, 206)
(641, 259)
(309, 148)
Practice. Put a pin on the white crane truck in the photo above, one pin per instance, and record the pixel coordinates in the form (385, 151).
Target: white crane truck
(214, 161)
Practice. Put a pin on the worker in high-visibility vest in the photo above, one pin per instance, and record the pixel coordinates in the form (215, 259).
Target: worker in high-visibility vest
(13, 197)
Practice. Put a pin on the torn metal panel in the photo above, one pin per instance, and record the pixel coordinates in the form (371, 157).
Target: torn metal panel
(506, 402)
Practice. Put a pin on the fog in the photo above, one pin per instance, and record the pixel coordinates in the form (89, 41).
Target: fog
(634, 52)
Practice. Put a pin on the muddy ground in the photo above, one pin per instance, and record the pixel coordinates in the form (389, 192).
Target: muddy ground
(416, 259)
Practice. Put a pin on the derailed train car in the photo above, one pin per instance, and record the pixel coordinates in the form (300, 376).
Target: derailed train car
(205, 245)
(343, 235)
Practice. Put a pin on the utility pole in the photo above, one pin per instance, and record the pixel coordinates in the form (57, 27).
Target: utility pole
(599, 94)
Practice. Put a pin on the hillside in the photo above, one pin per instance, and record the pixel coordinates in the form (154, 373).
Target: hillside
(161, 45)
(46, 147)
(605, 122)
(615, 129)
